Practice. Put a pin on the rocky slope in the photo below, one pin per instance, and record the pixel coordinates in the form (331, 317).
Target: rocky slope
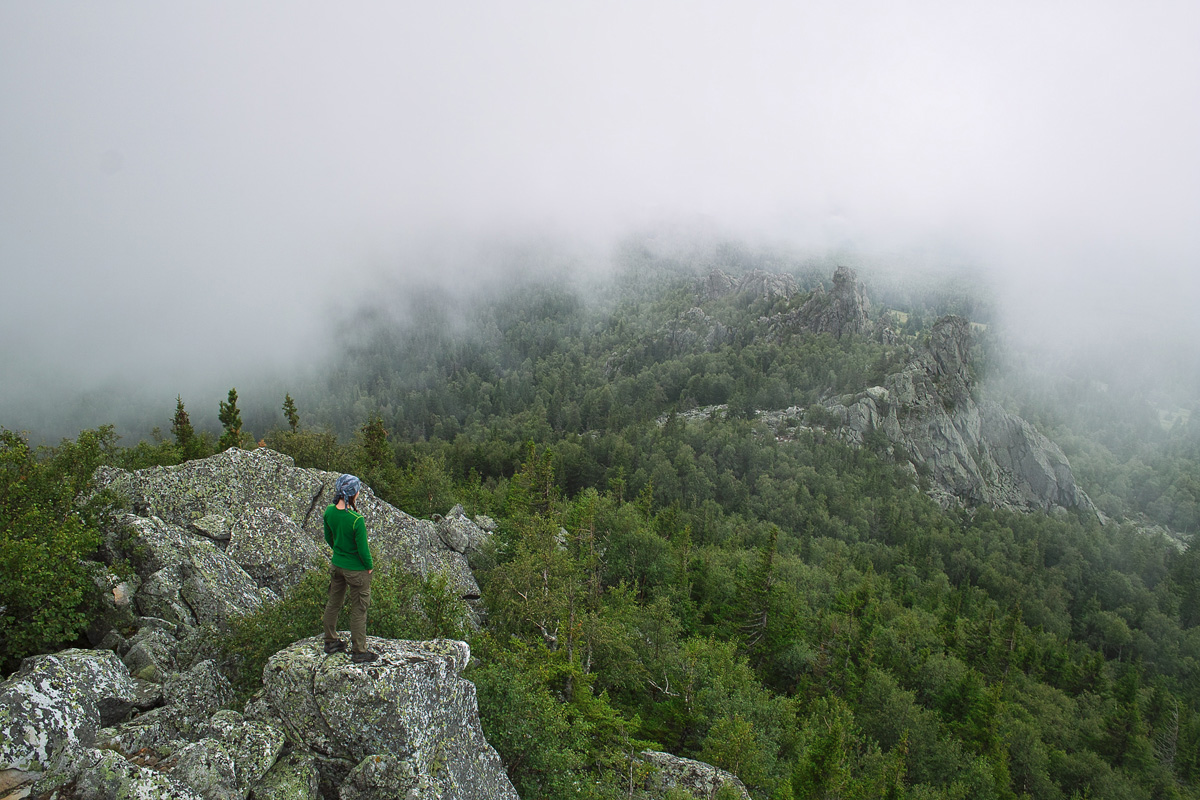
(928, 413)
(148, 713)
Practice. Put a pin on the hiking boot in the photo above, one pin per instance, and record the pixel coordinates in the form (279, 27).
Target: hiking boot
(335, 646)
(363, 657)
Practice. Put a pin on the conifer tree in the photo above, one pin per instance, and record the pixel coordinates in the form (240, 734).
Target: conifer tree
(231, 419)
(185, 434)
(289, 411)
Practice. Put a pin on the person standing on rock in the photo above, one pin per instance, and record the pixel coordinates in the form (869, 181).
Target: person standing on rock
(346, 533)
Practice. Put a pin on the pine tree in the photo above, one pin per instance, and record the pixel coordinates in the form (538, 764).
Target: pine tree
(289, 411)
(231, 419)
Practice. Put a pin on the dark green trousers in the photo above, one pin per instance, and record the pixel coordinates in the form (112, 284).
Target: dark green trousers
(358, 582)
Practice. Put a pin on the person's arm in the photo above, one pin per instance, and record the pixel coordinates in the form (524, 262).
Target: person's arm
(360, 538)
(328, 530)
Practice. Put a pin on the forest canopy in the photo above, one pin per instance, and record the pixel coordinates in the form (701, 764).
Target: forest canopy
(669, 572)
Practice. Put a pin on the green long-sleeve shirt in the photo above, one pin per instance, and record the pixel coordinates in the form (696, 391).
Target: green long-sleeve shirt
(346, 533)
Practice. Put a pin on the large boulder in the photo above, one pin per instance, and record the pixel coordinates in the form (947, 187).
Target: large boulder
(53, 700)
(254, 519)
(405, 721)
(87, 773)
(695, 777)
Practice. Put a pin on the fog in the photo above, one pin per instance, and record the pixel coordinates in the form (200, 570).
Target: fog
(193, 195)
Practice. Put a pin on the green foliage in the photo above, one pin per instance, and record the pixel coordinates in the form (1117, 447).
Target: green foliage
(290, 413)
(190, 445)
(402, 607)
(44, 535)
(231, 421)
(789, 608)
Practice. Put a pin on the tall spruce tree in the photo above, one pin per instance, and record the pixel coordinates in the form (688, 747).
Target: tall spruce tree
(290, 412)
(185, 435)
(231, 419)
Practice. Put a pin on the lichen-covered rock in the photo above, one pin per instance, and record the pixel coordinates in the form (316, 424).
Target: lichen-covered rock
(694, 777)
(216, 589)
(55, 699)
(273, 549)
(186, 578)
(292, 777)
(411, 703)
(206, 767)
(115, 608)
(190, 698)
(151, 654)
(159, 597)
(384, 775)
(460, 533)
(85, 773)
(253, 745)
(272, 511)
(212, 526)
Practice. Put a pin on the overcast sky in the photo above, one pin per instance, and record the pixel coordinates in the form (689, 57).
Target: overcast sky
(186, 183)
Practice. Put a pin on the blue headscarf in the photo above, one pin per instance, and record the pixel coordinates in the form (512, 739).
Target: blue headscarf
(347, 487)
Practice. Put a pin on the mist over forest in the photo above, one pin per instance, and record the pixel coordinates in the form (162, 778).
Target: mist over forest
(827, 379)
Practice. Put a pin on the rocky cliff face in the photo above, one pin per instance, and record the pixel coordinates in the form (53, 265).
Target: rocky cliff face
(843, 310)
(974, 452)
(757, 283)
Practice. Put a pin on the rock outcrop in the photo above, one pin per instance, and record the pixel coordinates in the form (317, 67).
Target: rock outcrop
(406, 723)
(973, 452)
(758, 283)
(694, 777)
(263, 514)
(216, 538)
(843, 310)
(53, 700)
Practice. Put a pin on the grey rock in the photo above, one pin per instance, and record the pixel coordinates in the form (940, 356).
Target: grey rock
(273, 512)
(974, 451)
(757, 282)
(411, 704)
(115, 642)
(206, 767)
(84, 773)
(460, 533)
(292, 777)
(151, 654)
(767, 285)
(190, 698)
(486, 523)
(15, 783)
(55, 699)
(253, 745)
(115, 610)
(147, 694)
(212, 525)
(386, 775)
(717, 285)
(695, 777)
(843, 310)
(160, 597)
(273, 549)
(216, 589)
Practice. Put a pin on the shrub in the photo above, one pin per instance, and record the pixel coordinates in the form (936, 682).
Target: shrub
(403, 606)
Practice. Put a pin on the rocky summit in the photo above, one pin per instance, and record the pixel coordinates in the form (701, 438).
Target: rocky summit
(974, 451)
